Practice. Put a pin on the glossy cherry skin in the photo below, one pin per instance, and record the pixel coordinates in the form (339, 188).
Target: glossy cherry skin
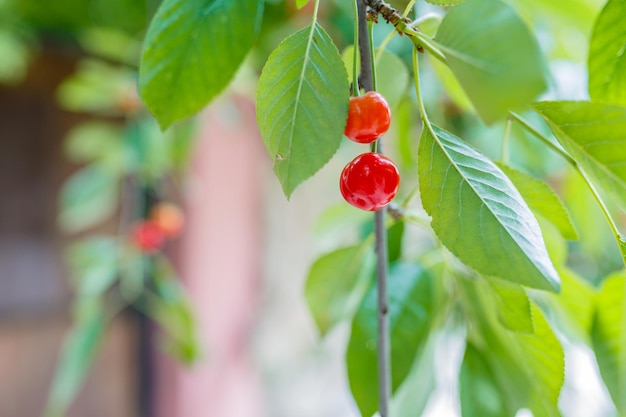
(369, 118)
(147, 236)
(369, 182)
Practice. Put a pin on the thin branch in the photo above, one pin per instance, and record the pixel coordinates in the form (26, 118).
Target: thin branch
(366, 80)
(384, 362)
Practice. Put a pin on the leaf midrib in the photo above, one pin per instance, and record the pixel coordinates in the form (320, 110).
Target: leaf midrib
(296, 106)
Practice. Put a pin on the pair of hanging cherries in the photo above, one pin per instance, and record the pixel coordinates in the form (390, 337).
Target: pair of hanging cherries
(370, 181)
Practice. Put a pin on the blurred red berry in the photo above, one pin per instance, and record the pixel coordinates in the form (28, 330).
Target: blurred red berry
(147, 236)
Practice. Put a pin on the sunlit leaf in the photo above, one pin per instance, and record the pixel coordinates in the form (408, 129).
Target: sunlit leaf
(542, 201)
(574, 306)
(301, 3)
(543, 360)
(479, 215)
(607, 60)
(410, 307)
(191, 53)
(594, 134)
(491, 50)
(302, 105)
(513, 306)
(608, 336)
(527, 369)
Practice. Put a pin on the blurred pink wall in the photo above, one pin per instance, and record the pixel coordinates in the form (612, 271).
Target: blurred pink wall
(219, 262)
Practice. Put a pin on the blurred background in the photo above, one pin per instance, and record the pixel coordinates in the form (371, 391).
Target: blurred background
(223, 330)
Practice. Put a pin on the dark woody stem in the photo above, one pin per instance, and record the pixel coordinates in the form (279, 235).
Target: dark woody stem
(366, 80)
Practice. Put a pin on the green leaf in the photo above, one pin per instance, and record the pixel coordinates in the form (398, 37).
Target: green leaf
(542, 201)
(91, 141)
(150, 152)
(594, 135)
(555, 243)
(608, 337)
(94, 264)
(527, 368)
(479, 215)
(191, 53)
(410, 307)
(607, 61)
(513, 306)
(302, 105)
(412, 397)
(335, 285)
(109, 43)
(96, 87)
(76, 356)
(171, 309)
(490, 50)
(574, 306)
(481, 393)
(542, 357)
(301, 3)
(451, 85)
(88, 197)
(338, 280)
(15, 56)
(395, 233)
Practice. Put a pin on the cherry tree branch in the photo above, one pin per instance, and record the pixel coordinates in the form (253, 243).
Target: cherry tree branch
(366, 80)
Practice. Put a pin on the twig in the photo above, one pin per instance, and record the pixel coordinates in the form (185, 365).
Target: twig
(384, 361)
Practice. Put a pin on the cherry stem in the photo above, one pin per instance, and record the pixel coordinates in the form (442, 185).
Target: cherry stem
(356, 90)
(366, 79)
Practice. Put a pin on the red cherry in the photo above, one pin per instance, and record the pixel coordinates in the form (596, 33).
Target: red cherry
(369, 182)
(369, 118)
(147, 236)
